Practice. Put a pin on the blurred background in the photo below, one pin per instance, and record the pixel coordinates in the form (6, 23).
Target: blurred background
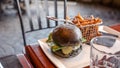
(11, 41)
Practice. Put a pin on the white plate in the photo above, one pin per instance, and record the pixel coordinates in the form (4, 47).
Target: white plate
(82, 60)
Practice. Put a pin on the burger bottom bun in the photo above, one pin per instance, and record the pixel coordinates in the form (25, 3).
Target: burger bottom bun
(72, 54)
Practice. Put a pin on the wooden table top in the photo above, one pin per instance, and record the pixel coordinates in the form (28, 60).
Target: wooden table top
(25, 61)
(116, 27)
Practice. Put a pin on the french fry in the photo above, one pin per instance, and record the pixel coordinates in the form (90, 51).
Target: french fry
(80, 17)
(92, 17)
(67, 18)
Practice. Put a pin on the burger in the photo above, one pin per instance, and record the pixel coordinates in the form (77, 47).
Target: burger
(65, 40)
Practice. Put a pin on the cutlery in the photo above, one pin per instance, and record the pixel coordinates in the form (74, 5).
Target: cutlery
(108, 34)
(111, 31)
(60, 20)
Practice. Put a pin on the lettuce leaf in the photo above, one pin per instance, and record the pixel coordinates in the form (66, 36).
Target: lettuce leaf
(83, 40)
(49, 38)
(56, 48)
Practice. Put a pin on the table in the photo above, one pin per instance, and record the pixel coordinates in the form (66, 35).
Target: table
(25, 61)
(116, 27)
(39, 59)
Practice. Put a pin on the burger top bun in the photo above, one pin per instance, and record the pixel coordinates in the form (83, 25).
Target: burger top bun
(66, 35)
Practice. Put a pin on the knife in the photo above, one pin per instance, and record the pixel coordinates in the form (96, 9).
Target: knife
(111, 31)
(108, 34)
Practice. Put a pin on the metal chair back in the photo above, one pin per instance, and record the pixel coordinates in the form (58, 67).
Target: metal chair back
(41, 10)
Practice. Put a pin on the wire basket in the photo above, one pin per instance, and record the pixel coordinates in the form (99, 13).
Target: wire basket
(88, 25)
(90, 31)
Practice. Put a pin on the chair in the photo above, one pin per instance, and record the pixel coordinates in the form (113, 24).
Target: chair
(43, 10)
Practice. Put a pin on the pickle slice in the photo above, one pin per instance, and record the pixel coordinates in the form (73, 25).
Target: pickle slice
(67, 50)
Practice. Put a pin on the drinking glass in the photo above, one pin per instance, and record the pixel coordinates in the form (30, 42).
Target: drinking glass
(105, 52)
